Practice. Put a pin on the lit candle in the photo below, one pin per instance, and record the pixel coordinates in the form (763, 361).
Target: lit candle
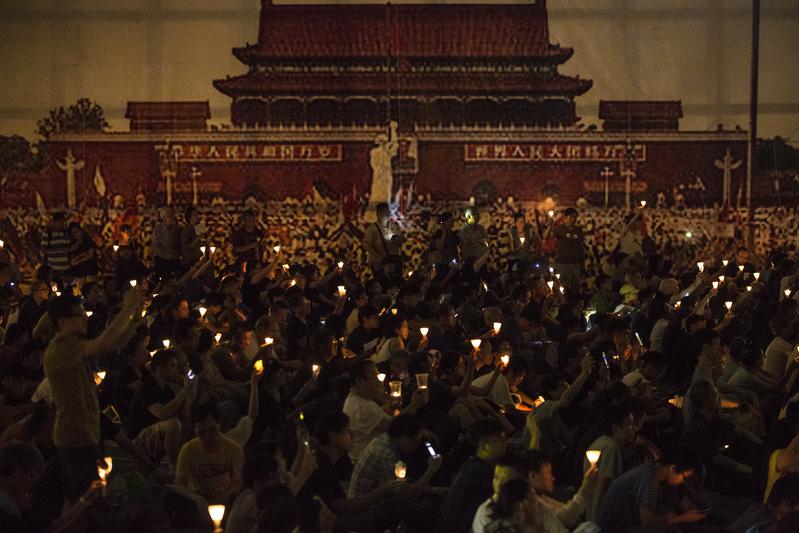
(276, 249)
(54, 287)
(101, 473)
(593, 456)
(688, 234)
(58, 293)
(217, 512)
(715, 284)
(213, 249)
(218, 337)
(2, 243)
(521, 240)
(497, 327)
(476, 343)
(557, 276)
(394, 312)
(315, 369)
(424, 331)
(725, 262)
(109, 464)
(756, 275)
(721, 279)
(101, 375)
(202, 311)
(132, 283)
(144, 313)
(202, 250)
(643, 204)
(551, 213)
(285, 267)
(728, 305)
(701, 266)
(551, 285)
(400, 470)
(342, 291)
(89, 314)
(166, 342)
(258, 366)
(268, 341)
(292, 283)
(562, 290)
(410, 273)
(505, 359)
(381, 378)
(341, 264)
(396, 388)
(787, 293)
(421, 381)
(740, 268)
(748, 288)
(116, 248)
(152, 353)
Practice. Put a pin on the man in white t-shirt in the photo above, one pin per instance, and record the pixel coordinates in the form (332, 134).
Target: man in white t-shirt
(364, 406)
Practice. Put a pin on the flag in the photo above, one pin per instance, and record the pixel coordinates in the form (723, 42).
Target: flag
(99, 182)
(40, 205)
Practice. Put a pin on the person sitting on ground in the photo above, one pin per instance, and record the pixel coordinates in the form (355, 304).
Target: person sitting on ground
(633, 500)
(210, 465)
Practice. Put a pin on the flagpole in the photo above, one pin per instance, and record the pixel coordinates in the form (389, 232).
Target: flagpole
(753, 106)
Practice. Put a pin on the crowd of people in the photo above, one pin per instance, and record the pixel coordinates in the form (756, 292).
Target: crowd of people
(457, 368)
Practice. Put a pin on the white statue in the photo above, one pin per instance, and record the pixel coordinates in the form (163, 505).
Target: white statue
(726, 166)
(70, 165)
(380, 160)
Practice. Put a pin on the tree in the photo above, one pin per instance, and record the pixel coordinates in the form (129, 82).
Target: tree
(83, 116)
(17, 154)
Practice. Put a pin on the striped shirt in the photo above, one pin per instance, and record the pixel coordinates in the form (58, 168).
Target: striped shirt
(55, 249)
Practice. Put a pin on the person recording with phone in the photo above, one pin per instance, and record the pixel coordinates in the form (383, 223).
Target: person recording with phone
(446, 241)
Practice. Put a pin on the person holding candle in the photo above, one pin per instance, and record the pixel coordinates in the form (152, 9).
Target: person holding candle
(569, 257)
(363, 406)
(76, 432)
(359, 513)
(553, 514)
(154, 420)
(620, 431)
(382, 239)
(375, 467)
(521, 229)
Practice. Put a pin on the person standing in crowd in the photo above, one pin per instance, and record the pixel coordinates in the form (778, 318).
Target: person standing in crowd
(446, 241)
(82, 254)
(473, 236)
(191, 239)
(76, 432)
(165, 244)
(569, 249)
(247, 239)
(128, 256)
(382, 239)
(524, 239)
(54, 246)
